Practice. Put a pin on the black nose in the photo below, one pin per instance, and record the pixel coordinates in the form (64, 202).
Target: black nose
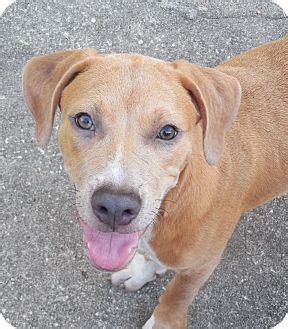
(115, 208)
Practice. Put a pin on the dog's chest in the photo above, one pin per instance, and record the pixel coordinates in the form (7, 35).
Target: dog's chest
(145, 249)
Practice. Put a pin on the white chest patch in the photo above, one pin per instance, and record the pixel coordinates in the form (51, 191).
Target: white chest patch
(145, 249)
(142, 269)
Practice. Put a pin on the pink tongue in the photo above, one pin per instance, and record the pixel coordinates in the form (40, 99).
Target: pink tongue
(109, 250)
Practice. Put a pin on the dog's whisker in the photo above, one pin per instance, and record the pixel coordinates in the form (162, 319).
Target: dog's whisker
(166, 200)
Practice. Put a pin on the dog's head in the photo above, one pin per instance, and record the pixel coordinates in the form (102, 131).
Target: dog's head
(127, 131)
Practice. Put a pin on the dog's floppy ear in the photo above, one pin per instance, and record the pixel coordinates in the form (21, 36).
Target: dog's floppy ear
(44, 78)
(217, 96)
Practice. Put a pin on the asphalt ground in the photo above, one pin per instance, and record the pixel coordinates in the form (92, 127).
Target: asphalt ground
(46, 279)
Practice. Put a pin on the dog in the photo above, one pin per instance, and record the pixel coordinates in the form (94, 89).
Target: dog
(165, 156)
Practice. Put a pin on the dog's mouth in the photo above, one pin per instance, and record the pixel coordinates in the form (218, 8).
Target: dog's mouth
(109, 251)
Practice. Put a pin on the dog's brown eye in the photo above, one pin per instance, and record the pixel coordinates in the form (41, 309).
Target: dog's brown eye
(84, 121)
(167, 133)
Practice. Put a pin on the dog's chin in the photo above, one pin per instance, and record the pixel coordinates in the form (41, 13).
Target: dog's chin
(109, 251)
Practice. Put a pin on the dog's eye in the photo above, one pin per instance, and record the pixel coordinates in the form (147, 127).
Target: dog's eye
(84, 121)
(167, 133)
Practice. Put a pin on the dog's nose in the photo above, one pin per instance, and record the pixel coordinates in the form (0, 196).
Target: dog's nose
(115, 208)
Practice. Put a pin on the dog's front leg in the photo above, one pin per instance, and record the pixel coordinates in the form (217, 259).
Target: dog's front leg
(180, 292)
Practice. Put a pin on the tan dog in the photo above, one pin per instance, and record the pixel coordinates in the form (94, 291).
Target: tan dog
(165, 156)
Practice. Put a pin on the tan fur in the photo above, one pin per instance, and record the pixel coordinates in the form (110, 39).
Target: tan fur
(202, 203)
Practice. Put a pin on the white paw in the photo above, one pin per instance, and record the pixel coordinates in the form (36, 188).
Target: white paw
(138, 273)
(150, 323)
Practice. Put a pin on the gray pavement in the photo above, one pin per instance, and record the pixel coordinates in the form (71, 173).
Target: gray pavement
(46, 280)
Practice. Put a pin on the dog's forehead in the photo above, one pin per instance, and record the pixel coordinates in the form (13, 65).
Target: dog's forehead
(130, 70)
(123, 79)
(133, 58)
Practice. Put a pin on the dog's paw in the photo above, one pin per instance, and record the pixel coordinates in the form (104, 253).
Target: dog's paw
(137, 274)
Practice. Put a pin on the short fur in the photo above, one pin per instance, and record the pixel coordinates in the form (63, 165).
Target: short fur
(232, 158)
